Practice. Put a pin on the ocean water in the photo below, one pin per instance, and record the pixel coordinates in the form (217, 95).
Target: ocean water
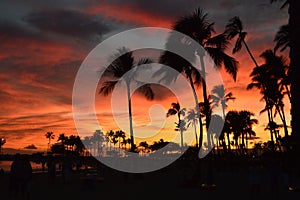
(5, 165)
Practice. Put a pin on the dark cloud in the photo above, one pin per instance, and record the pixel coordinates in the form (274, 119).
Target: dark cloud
(31, 146)
(68, 22)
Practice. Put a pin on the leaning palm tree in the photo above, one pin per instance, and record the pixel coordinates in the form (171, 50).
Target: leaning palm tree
(123, 68)
(176, 110)
(198, 27)
(235, 28)
(50, 136)
(219, 97)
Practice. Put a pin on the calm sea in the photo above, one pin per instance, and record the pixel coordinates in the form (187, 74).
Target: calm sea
(5, 165)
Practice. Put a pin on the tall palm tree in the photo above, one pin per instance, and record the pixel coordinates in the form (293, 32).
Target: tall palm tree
(197, 26)
(50, 136)
(192, 119)
(219, 97)
(294, 21)
(247, 124)
(271, 78)
(261, 80)
(123, 69)
(235, 28)
(180, 112)
(98, 139)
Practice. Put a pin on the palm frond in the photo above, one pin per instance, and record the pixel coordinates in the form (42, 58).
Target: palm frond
(107, 87)
(282, 38)
(171, 111)
(233, 27)
(219, 41)
(147, 91)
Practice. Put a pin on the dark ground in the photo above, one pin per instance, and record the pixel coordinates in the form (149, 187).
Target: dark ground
(181, 180)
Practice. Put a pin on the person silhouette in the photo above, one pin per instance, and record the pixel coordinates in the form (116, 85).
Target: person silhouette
(20, 176)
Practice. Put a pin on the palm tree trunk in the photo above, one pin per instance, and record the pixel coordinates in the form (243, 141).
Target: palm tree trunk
(180, 129)
(228, 141)
(130, 117)
(198, 112)
(196, 136)
(205, 98)
(282, 117)
(249, 52)
(294, 64)
(288, 92)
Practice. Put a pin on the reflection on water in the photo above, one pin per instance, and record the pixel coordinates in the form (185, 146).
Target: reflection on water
(5, 165)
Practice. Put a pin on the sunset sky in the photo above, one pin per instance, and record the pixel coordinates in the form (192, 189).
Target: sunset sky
(44, 43)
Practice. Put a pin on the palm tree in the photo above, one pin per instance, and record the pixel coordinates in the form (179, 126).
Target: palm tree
(120, 135)
(50, 136)
(294, 21)
(62, 138)
(123, 69)
(235, 28)
(192, 118)
(176, 110)
(2, 142)
(227, 130)
(219, 97)
(197, 26)
(145, 146)
(247, 124)
(278, 69)
(261, 80)
(98, 139)
(271, 78)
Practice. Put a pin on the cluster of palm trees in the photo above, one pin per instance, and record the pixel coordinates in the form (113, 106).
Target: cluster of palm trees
(273, 78)
(65, 143)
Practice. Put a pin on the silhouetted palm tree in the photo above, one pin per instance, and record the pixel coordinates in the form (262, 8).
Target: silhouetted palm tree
(261, 80)
(145, 146)
(121, 136)
(278, 69)
(235, 28)
(50, 136)
(241, 123)
(98, 139)
(294, 21)
(247, 124)
(197, 26)
(123, 69)
(180, 112)
(192, 119)
(271, 78)
(219, 97)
